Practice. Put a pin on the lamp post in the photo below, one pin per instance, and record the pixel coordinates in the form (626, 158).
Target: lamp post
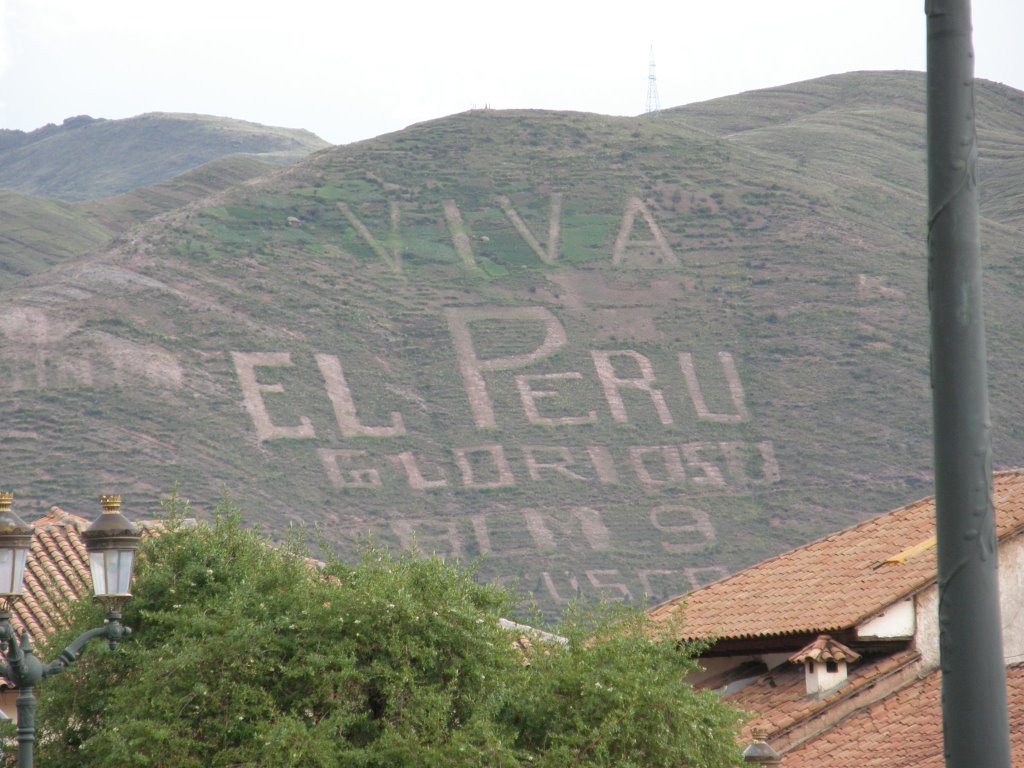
(111, 542)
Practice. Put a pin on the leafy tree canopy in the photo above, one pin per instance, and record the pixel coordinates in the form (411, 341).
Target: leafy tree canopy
(245, 655)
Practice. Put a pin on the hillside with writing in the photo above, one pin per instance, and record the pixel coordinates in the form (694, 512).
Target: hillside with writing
(619, 356)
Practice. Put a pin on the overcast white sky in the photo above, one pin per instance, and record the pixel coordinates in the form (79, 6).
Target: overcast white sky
(352, 70)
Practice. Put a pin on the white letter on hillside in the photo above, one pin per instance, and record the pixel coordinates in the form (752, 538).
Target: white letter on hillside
(736, 463)
(561, 461)
(732, 378)
(499, 470)
(417, 482)
(700, 526)
(554, 228)
(530, 396)
(366, 477)
(660, 245)
(612, 383)
(245, 366)
(414, 534)
(458, 232)
(472, 367)
(345, 407)
(392, 259)
(591, 526)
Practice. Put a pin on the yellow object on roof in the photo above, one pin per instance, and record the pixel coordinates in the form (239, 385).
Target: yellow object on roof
(917, 549)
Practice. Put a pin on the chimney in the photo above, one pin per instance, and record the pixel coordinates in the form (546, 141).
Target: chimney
(825, 664)
(759, 751)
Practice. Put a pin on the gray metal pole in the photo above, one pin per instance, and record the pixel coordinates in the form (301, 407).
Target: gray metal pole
(975, 723)
(26, 704)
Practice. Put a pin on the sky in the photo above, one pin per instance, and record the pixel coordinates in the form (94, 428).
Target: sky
(353, 70)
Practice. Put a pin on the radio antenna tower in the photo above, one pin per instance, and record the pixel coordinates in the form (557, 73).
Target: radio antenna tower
(653, 105)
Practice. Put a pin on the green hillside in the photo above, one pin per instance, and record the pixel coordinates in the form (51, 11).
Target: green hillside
(124, 211)
(86, 158)
(39, 232)
(617, 356)
(36, 233)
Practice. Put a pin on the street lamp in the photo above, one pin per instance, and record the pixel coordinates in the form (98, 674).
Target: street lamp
(111, 542)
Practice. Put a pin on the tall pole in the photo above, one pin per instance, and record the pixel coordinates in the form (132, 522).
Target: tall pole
(111, 542)
(26, 705)
(975, 723)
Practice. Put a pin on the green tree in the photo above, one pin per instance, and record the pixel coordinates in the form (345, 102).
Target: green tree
(245, 655)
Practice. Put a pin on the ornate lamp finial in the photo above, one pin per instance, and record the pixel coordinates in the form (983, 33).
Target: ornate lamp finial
(110, 504)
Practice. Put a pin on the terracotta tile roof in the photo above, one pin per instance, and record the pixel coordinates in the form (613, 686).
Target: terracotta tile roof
(836, 582)
(903, 729)
(779, 704)
(824, 648)
(57, 570)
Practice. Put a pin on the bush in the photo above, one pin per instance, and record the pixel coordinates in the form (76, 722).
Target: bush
(245, 655)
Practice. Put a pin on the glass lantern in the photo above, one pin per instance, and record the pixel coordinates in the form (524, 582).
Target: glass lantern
(111, 542)
(15, 540)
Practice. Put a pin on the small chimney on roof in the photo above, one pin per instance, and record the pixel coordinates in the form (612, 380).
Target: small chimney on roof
(825, 662)
(759, 751)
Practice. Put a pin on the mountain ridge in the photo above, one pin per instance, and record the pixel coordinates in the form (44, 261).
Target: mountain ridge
(87, 158)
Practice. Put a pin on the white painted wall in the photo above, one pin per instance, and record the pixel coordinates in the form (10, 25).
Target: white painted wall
(819, 679)
(896, 621)
(1011, 607)
(926, 640)
(1011, 598)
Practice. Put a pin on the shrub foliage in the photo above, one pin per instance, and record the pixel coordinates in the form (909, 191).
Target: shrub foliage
(245, 655)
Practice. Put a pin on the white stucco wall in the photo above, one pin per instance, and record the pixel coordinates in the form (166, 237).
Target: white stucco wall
(896, 621)
(927, 638)
(1011, 607)
(818, 678)
(1011, 598)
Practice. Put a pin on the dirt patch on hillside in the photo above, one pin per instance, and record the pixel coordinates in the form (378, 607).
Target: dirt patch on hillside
(31, 325)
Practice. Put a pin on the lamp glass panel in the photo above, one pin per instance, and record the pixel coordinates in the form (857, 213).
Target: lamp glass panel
(99, 572)
(20, 556)
(6, 571)
(110, 566)
(112, 571)
(124, 571)
(12, 569)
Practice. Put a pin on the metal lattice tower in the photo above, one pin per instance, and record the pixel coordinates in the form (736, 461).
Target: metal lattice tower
(653, 105)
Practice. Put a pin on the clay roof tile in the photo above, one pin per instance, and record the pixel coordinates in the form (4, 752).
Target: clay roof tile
(903, 729)
(825, 648)
(57, 570)
(837, 582)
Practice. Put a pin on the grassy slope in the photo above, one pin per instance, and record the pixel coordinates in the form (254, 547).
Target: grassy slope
(103, 158)
(805, 264)
(129, 209)
(849, 124)
(36, 233)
